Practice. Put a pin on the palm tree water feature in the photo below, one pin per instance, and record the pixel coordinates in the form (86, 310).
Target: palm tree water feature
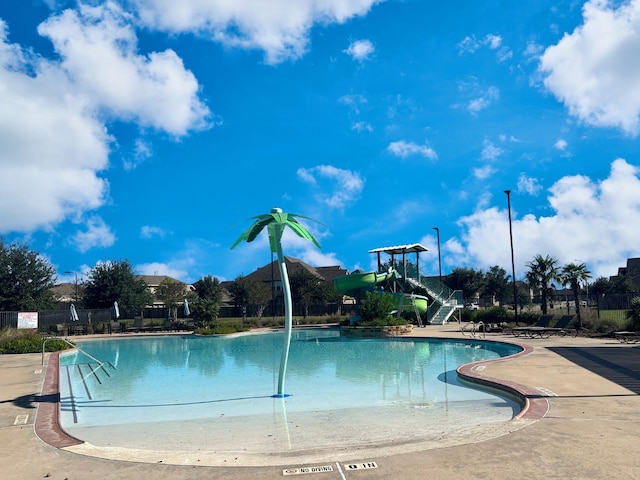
(276, 223)
(208, 400)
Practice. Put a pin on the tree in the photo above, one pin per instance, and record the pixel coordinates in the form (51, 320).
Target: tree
(240, 290)
(307, 288)
(276, 222)
(468, 280)
(543, 271)
(26, 279)
(496, 283)
(205, 301)
(109, 282)
(574, 275)
(260, 295)
(600, 286)
(171, 293)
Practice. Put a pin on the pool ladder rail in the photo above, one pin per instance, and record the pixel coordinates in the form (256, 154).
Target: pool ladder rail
(473, 329)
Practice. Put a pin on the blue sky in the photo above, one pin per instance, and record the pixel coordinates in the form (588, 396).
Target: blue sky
(151, 130)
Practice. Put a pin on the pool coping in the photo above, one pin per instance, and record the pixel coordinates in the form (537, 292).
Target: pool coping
(534, 405)
(48, 428)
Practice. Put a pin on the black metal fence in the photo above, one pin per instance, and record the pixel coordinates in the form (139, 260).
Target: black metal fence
(612, 306)
(48, 319)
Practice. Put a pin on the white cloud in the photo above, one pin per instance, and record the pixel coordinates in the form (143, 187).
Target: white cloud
(141, 151)
(561, 145)
(362, 127)
(52, 147)
(353, 101)
(404, 149)
(149, 231)
(97, 234)
(280, 28)
(477, 104)
(336, 188)
(468, 44)
(490, 151)
(484, 172)
(594, 70)
(595, 221)
(528, 185)
(360, 50)
(158, 268)
(493, 41)
(52, 121)
(98, 47)
(504, 54)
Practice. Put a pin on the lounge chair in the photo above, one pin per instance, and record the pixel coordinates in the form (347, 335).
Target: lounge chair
(542, 322)
(560, 328)
(627, 336)
(137, 325)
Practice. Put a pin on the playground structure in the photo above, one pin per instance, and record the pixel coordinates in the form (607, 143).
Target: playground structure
(430, 300)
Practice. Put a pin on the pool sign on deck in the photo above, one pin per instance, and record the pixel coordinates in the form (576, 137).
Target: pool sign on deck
(305, 470)
(361, 466)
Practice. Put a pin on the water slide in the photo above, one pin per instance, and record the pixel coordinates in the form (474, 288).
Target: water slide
(349, 284)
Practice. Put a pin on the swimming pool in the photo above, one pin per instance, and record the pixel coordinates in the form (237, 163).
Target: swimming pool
(194, 393)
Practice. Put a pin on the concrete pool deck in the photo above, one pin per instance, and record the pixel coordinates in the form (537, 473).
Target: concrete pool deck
(591, 429)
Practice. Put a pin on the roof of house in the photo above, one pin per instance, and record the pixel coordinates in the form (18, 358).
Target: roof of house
(294, 265)
(155, 280)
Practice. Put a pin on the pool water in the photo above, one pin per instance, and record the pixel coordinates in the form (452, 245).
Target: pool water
(215, 393)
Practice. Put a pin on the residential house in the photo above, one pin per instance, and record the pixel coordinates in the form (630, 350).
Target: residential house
(631, 271)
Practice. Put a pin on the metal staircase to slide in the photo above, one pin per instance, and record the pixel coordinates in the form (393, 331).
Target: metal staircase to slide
(446, 301)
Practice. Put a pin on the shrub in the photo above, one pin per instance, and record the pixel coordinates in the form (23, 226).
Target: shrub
(493, 315)
(27, 341)
(223, 327)
(633, 315)
(376, 307)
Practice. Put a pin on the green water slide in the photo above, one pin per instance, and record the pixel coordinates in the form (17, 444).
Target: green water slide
(356, 281)
(349, 284)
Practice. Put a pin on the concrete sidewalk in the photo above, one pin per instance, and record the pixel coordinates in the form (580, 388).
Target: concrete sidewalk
(591, 431)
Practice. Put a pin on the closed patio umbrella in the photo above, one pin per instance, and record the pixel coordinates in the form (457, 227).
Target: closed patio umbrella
(116, 310)
(74, 313)
(186, 308)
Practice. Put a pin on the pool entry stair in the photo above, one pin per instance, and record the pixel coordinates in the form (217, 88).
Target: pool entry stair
(81, 380)
(81, 376)
(413, 290)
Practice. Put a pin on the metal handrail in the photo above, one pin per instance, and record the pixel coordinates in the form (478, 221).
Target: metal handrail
(475, 328)
(100, 364)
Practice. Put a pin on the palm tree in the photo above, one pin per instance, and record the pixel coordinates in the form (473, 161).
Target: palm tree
(276, 222)
(543, 271)
(573, 275)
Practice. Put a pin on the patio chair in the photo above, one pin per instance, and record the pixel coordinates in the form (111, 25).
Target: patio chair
(60, 329)
(542, 322)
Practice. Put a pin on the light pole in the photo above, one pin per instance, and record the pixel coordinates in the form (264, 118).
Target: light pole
(513, 263)
(76, 287)
(439, 259)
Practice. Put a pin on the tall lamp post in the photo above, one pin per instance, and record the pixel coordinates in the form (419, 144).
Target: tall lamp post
(76, 286)
(439, 259)
(513, 263)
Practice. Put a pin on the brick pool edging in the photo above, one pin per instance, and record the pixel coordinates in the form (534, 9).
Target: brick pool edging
(47, 425)
(535, 405)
